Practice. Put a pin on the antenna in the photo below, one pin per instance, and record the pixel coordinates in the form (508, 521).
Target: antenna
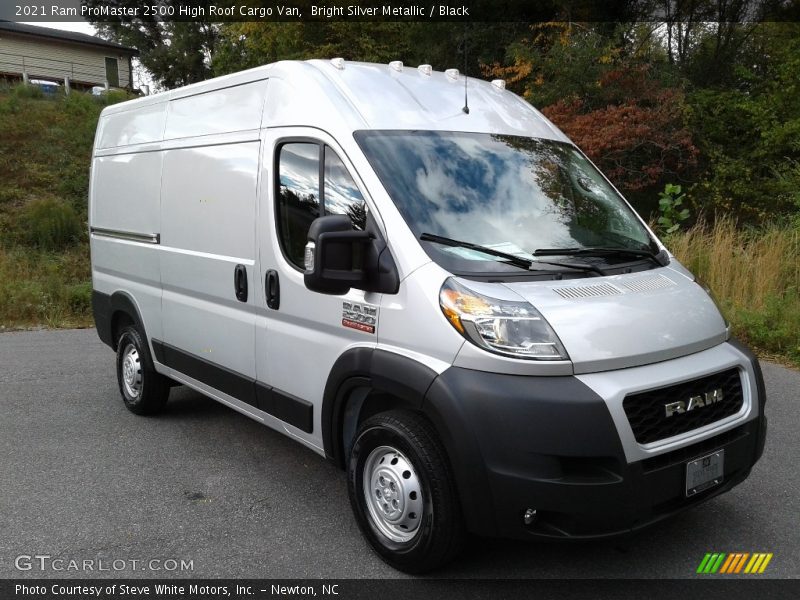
(466, 98)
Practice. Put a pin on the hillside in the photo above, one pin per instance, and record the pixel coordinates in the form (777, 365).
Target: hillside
(45, 149)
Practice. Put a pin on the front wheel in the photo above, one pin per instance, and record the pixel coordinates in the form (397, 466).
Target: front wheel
(402, 492)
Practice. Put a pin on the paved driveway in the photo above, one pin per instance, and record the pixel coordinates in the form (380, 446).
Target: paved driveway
(82, 478)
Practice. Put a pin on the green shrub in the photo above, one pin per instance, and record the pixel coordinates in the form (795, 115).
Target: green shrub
(669, 206)
(42, 287)
(74, 185)
(28, 91)
(117, 96)
(773, 329)
(10, 194)
(9, 105)
(78, 103)
(79, 298)
(50, 224)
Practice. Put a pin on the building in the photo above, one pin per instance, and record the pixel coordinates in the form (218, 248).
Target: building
(52, 54)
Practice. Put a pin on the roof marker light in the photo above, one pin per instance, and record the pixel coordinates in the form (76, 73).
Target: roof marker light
(452, 74)
(397, 65)
(499, 83)
(338, 62)
(425, 69)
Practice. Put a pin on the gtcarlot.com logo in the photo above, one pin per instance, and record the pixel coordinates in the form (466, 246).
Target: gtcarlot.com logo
(733, 563)
(46, 562)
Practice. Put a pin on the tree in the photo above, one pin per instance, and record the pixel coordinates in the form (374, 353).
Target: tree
(441, 44)
(608, 89)
(748, 131)
(175, 52)
(639, 144)
(250, 44)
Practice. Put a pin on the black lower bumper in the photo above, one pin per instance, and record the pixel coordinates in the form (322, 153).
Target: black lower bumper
(550, 444)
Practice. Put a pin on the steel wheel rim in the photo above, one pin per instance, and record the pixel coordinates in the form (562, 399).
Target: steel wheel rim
(131, 371)
(393, 494)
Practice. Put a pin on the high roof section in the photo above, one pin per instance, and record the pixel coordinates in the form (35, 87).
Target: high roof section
(397, 97)
(343, 97)
(63, 36)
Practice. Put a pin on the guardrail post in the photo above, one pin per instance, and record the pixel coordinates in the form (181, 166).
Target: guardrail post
(25, 78)
(66, 85)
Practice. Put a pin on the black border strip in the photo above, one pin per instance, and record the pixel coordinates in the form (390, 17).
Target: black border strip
(220, 378)
(294, 411)
(700, 587)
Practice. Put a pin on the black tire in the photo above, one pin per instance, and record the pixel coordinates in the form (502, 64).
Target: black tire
(439, 533)
(146, 391)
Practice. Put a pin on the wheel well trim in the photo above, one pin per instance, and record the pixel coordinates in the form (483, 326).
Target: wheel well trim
(107, 307)
(418, 388)
(404, 378)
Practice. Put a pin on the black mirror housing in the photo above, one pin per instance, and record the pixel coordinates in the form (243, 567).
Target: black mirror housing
(338, 258)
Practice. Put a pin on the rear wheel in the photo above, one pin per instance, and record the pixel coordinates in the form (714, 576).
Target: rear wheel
(403, 494)
(143, 390)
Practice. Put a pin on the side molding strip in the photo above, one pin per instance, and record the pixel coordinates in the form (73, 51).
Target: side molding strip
(293, 410)
(130, 236)
(290, 409)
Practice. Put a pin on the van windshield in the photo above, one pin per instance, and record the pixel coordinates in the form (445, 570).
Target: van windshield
(514, 195)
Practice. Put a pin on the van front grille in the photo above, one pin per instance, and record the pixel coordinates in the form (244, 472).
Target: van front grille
(665, 412)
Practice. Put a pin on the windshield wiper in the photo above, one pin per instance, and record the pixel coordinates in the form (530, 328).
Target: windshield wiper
(517, 261)
(600, 251)
(578, 266)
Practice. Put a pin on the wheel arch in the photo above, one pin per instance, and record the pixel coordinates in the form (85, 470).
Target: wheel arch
(365, 381)
(113, 312)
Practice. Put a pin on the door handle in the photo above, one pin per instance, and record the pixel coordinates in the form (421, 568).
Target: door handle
(240, 283)
(273, 289)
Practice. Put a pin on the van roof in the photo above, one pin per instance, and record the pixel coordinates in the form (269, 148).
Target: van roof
(331, 94)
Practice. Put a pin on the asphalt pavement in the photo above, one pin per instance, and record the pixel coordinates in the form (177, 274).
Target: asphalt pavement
(83, 479)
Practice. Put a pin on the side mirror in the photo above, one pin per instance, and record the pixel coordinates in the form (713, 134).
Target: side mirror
(334, 257)
(338, 257)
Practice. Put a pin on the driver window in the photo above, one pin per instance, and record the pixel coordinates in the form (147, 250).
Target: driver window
(300, 200)
(341, 193)
(298, 197)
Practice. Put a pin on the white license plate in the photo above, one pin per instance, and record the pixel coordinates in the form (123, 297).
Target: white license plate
(704, 473)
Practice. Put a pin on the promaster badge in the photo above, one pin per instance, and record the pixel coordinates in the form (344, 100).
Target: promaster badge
(363, 317)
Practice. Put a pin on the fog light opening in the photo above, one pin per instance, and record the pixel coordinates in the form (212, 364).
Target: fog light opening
(529, 517)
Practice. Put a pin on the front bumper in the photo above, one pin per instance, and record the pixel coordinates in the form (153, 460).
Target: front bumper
(554, 444)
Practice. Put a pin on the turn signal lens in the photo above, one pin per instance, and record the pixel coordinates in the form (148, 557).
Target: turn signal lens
(308, 257)
(505, 327)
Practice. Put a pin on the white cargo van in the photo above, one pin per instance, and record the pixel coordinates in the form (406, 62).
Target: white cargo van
(450, 302)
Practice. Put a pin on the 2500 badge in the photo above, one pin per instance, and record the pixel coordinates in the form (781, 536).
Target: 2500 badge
(363, 317)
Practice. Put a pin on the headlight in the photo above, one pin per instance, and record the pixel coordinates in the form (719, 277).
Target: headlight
(501, 326)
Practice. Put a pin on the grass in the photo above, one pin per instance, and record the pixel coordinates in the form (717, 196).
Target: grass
(45, 152)
(755, 276)
(45, 148)
(45, 288)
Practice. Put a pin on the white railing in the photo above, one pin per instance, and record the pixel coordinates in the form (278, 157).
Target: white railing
(32, 67)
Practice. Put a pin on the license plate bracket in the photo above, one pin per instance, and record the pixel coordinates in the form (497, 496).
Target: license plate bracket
(704, 472)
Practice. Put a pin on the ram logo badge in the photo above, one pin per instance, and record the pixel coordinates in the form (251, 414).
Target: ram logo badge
(363, 317)
(707, 399)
